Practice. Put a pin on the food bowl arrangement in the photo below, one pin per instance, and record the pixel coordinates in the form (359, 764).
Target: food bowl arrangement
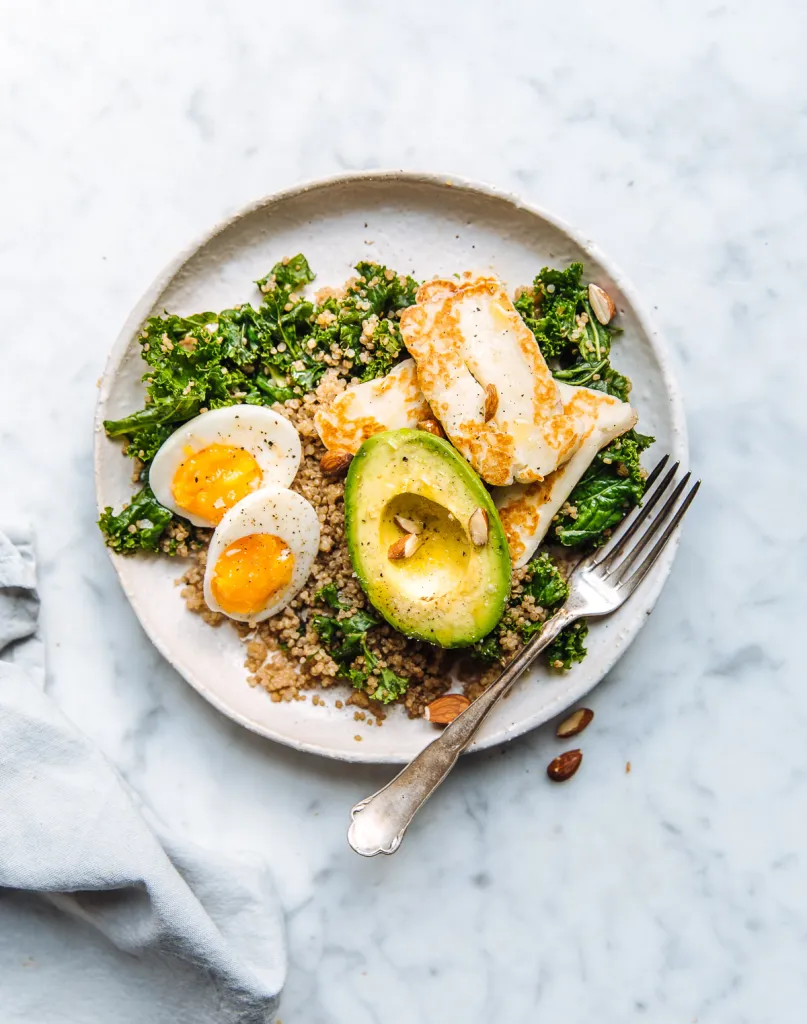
(378, 459)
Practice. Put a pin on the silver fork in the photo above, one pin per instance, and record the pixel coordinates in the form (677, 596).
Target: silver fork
(599, 585)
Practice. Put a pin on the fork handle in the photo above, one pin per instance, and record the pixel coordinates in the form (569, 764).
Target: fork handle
(380, 821)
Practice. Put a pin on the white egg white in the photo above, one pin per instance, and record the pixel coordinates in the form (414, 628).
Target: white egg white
(277, 511)
(271, 440)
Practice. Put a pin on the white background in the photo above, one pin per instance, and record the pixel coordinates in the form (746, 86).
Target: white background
(672, 134)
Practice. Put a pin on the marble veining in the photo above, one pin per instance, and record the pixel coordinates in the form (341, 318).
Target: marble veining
(675, 136)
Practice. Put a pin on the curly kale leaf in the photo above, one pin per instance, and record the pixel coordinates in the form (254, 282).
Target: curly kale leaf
(488, 649)
(568, 647)
(329, 595)
(147, 441)
(138, 527)
(390, 687)
(387, 349)
(550, 310)
(547, 587)
(558, 313)
(346, 642)
(612, 485)
(287, 276)
(386, 291)
(545, 583)
(274, 353)
(362, 326)
(163, 413)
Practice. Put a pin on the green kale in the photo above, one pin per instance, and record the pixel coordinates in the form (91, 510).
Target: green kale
(545, 583)
(138, 526)
(568, 647)
(287, 276)
(259, 356)
(364, 323)
(330, 595)
(327, 629)
(390, 687)
(612, 485)
(488, 649)
(346, 642)
(551, 309)
(388, 346)
(557, 311)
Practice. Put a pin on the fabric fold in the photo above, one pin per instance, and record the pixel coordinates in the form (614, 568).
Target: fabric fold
(73, 833)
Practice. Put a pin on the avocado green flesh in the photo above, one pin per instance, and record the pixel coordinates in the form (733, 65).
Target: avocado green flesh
(449, 592)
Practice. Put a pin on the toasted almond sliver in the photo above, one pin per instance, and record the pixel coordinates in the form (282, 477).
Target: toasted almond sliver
(407, 525)
(335, 462)
(575, 723)
(404, 547)
(601, 303)
(432, 426)
(491, 402)
(478, 527)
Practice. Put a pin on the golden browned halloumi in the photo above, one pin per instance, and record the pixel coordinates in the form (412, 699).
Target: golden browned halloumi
(366, 409)
(465, 336)
(526, 510)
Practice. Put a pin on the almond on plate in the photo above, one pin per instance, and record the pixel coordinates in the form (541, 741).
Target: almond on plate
(335, 462)
(446, 708)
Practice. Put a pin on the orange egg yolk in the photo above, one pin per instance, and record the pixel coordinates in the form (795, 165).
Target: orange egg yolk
(212, 480)
(250, 571)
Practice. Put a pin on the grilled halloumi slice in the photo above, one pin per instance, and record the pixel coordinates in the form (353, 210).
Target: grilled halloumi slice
(466, 336)
(526, 510)
(385, 403)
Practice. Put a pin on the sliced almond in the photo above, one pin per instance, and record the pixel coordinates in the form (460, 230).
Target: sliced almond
(575, 723)
(491, 402)
(407, 525)
(445, 709)
(601, 303)
(564, 766)
(432, 426)
(478, 527)
(404, 547)
(335, 462)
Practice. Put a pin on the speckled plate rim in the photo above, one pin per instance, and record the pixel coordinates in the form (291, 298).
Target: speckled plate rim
(643, 601)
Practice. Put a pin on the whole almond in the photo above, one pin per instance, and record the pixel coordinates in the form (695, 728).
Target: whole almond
(407, 525)
(575, 723)
(446, 708)
(478, 527)
(491, 402)
(404, 547)
(601, 303)
(335, 462)
(564, 766)
(433, 427)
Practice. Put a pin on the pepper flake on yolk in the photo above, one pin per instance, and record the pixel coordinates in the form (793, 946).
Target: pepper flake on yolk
(209, 482)
(250, 571)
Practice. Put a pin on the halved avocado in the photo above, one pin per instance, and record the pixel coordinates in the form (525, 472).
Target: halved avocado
(449, 592)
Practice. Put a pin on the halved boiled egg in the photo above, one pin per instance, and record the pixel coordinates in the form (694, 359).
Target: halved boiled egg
(261, 554)
(214, 460)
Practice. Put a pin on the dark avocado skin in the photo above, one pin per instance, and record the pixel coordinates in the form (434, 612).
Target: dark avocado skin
(444, 624)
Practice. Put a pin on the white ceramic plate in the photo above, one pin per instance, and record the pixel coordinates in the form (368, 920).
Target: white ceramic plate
(424, 225)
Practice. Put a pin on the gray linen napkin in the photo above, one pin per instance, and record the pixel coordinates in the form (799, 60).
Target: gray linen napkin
(124, 926)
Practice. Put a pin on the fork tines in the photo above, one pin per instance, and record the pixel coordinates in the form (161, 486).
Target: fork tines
(617, 563)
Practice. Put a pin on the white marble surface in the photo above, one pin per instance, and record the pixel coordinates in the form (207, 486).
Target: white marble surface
(673, 134)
